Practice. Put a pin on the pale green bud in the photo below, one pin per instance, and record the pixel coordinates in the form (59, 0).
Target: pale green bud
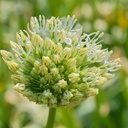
(49, 44)
(66, 52)
(37, 64)
(42, 81)
(24, 80)
(12, 65)
(82, 87)
(37, 40)
(19, 87)
(74, 77)
(46, 60)
(23, 36)
(54, 71)
(77, 95)
(67, 95)
(64, 103)
(62, 83)
(47, 94)
(101, 80)
(15, 78)
(71, 62)
(6, 55)
(33, 96)
(57, 59)
(108, 75)
(82, 51)
(61, 68)
(18, 50)
(61, 36)
(58, 48)
(19, 39)
(34, 24)
(49, 24)
(92, 91)
(43, 69)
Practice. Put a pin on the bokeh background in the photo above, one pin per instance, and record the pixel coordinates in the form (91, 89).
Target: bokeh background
(109, 109)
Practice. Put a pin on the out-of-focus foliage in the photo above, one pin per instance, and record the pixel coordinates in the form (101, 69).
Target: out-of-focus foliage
(109, 109)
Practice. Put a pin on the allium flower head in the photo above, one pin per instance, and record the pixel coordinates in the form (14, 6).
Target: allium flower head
(53, 63)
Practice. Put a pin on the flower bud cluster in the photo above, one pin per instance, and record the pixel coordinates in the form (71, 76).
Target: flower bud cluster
(55, 64)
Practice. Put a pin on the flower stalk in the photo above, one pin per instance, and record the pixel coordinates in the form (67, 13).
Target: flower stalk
(51, 118)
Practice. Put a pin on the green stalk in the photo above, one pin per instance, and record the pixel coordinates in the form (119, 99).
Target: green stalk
(51, 118)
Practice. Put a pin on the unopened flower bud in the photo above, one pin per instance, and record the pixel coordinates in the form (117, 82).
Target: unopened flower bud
(62, 83)
(19, 87)
(92, 91)
(6, 55)
(73, 77)
(37, 40)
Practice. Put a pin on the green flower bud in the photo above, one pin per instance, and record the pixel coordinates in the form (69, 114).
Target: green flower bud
(74, 77)
(62, 83)
(7, 56)
(92, 91)
(19, 87)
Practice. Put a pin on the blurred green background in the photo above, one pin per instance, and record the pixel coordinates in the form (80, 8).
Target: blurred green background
(109, 109)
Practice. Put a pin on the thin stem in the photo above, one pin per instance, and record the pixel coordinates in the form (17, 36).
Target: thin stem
(51, 118)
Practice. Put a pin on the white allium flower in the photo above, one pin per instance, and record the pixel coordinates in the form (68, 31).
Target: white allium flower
(55, 64)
